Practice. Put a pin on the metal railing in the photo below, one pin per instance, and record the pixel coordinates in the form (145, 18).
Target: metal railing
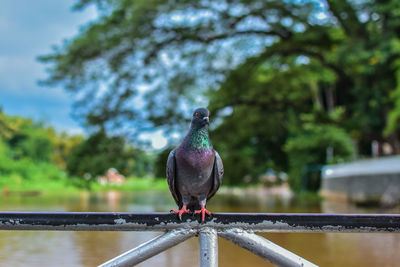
(238, 228)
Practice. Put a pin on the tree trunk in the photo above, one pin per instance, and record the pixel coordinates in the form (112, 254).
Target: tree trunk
(394, 141)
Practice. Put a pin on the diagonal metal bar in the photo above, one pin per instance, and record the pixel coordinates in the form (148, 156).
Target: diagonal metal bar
(208, 253)
(264, 248)
(150, 248)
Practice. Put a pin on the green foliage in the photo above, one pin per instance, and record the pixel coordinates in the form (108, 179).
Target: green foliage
(266, 62)
(26, 139)
(63, 145)
(7, 126)
(308, 144)
(18, 175)
(393, 124)
(95, 155)
(160, 163)
(27, 169)
(26, 152)
(33, 145)
(135, 184)
(34, 141)
(33, 158)
(143, 163)
(3, 148)
(250, 139)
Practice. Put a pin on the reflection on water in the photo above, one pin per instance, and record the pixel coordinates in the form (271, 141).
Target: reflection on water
(50, 248)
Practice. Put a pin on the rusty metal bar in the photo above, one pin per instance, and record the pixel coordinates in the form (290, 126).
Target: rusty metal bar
(265, 249)
(259, 222)
(208, 253)
(150, 248)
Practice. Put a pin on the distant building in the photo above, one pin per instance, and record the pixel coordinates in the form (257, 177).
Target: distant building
(271, 177)
(268, 177)
(364, 181)
(112, 176)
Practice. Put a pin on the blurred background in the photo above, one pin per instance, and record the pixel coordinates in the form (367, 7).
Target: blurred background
(305, 113)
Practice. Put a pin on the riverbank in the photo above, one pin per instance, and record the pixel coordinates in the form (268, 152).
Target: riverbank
(14, 185)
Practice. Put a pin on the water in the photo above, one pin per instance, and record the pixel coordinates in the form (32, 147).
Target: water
(51, 248)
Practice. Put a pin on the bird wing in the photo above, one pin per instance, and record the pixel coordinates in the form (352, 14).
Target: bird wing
(218, 173)
(171, 177)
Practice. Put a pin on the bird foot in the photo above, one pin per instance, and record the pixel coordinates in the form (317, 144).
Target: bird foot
(181, 211)
(203, 211)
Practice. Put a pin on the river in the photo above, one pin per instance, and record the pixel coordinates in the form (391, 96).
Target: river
(51, 248)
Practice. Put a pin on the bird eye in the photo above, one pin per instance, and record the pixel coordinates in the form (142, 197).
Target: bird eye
(196, 114)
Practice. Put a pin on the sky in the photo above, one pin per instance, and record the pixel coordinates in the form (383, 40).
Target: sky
(28, 29)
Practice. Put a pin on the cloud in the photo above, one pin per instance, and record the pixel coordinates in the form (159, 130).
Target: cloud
(29, 29)
(157, 139)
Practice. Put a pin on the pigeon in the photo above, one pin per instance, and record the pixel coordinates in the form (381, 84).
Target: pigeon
(194, 169)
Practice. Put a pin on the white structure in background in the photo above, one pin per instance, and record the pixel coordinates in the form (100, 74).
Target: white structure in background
(376, 180)
(112, 177)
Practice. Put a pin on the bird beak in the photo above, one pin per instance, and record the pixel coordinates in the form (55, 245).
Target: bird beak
(207, 120)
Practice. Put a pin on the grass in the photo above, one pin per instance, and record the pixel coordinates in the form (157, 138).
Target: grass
(25, 176)
(135, 184)
(15, 183)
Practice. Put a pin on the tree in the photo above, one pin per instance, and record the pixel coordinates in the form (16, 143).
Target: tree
(27, 152)
(98, 153)
(160, 164)
(144, 163)
(307, 146)
(29, 139)
(277, 57)
(8, 125)
(63, 145)
(250, 138)
(35, 140)
(185, 47)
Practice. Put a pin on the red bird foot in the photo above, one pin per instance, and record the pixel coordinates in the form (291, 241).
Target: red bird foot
(203, 212)
(181, 211)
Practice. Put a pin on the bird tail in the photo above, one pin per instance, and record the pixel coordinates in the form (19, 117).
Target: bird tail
(194, 204)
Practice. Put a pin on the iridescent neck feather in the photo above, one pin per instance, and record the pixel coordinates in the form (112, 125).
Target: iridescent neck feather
(198, 138)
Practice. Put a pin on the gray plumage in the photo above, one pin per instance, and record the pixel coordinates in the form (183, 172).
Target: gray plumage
(195, 169)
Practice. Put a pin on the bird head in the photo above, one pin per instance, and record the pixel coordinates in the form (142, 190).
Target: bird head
(201, 118)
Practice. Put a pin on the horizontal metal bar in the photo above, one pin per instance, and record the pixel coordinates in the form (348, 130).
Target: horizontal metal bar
(150, 248)
(258, 222)
(265, 249)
